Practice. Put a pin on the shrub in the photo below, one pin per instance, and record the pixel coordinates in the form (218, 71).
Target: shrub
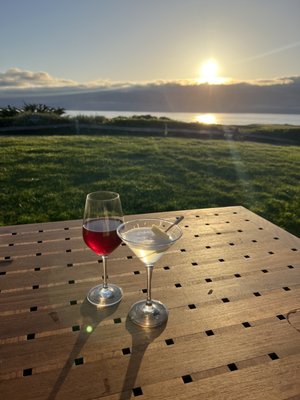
(41, 109)
(11, 111)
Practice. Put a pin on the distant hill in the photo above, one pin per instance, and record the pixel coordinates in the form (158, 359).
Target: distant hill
(170, 97)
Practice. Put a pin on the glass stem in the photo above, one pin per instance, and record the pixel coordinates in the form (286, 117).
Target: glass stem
(104, 262)
(149, 269)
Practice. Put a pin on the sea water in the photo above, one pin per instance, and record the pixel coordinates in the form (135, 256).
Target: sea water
(209, 118)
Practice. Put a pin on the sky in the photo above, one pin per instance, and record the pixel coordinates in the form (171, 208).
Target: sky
(121, 43)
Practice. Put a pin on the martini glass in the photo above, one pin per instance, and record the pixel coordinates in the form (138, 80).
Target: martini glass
(102, 216)
(149, 239)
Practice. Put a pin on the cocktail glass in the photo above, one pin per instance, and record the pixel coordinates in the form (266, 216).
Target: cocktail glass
(149, 239)
(102, 215)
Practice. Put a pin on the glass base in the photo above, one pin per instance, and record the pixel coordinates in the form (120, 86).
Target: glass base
(105, 297)
(148, 316)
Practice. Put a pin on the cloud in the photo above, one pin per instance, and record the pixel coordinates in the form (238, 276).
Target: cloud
(278, 95)
(268, 82)
(17, 78)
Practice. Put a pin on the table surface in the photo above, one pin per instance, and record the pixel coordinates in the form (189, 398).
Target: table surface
(231, 284)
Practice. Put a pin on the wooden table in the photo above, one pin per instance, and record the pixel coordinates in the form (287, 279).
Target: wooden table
(231, 284)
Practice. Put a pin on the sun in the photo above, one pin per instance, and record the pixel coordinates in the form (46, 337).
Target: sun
(209, 73)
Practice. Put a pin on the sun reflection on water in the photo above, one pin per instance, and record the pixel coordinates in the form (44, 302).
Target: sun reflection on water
(206, 119)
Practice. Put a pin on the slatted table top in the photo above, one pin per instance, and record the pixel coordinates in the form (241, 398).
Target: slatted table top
(231, 284)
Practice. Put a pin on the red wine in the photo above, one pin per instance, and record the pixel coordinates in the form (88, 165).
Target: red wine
(101, 235)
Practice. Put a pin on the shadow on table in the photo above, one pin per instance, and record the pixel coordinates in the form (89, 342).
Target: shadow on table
(141, 339)
(91, 318)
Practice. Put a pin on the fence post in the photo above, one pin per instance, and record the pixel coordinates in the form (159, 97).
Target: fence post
(166, 129)
(77, 128)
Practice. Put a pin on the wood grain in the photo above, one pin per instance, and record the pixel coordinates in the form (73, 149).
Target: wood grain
(229, 284)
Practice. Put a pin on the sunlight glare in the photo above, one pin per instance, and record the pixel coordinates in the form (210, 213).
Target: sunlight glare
(206, 119)
(209, 73)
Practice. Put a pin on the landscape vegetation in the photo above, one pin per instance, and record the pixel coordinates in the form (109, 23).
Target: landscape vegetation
(155, 164)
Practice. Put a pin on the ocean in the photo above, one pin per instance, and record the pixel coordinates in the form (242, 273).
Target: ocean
(209, 118)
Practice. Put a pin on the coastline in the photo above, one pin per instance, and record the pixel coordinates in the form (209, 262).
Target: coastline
(237, 119)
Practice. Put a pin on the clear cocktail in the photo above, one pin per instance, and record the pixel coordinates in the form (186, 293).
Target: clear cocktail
(149, 239)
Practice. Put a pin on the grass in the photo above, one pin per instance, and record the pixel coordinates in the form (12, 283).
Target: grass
(46, 178)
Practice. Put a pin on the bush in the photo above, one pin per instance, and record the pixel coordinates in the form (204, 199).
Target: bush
(85, 119)
(11, 111)
(30, 119)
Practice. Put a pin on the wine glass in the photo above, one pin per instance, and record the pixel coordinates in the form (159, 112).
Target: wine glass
(149, 239)
(102, 216)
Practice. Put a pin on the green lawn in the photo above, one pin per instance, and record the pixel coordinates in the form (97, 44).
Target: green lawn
(47, 178)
